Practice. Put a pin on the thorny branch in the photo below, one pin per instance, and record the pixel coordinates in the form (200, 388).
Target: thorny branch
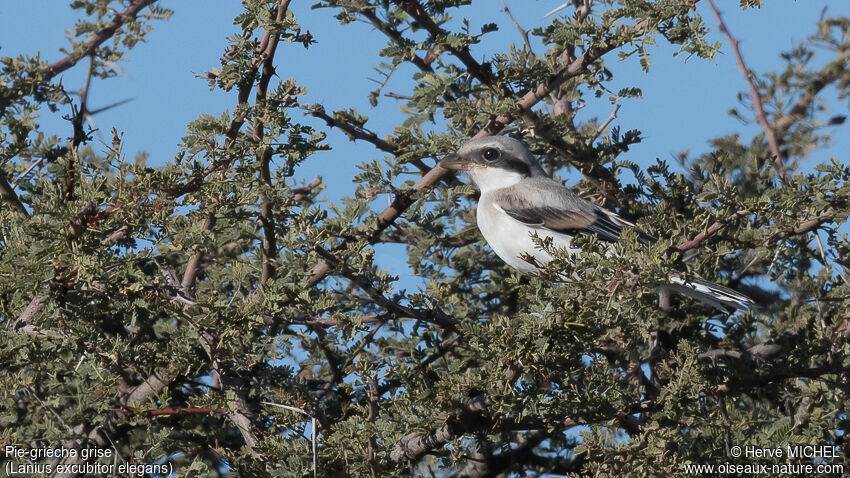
(522, 31)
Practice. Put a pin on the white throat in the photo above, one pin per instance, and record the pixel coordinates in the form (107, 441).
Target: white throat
(491, 179)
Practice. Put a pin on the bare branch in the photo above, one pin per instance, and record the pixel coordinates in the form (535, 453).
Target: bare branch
(31, 311)
(25, 173)
(150, 387)
(769, 133)
(605, 125)
(522, 31)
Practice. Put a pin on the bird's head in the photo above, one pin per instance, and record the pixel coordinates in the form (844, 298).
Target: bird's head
(494, 162)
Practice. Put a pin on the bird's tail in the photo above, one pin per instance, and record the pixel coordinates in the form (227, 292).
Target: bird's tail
(709, 293)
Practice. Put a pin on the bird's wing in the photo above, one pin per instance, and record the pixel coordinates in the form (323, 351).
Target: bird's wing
(568, 222)
(565, 212)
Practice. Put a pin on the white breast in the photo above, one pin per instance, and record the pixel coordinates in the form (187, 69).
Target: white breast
(512, 240)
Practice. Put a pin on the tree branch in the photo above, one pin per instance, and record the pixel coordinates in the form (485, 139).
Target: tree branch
(601, 177)
(436, 316)
(752, 383)
(830, 73)
(266, 213)
(472, 416)
(353, 131)
(522, 31)
(8, 193)
(417, 11)
(265, 55)
(97, 38)
(712, 230)
(27, 171)
(601, 129)
(769, 133)
(88, 47)
(167, 411)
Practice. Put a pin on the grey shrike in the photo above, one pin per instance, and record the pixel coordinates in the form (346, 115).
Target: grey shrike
(519, 199)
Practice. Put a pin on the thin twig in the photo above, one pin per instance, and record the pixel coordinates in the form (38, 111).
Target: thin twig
(769, 133)
(436, 316)
(24, 174)
(823, 256)
(51, 410)
(79, 135)
(557, 9)
(416, 10)
(604, 125)
(522, 31)
(353, 131)
(110, 106)
(312, 428)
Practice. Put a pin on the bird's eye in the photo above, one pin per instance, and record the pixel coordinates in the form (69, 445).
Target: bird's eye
(490, 154)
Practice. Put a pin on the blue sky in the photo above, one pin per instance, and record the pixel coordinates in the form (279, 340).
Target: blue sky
(684, 104)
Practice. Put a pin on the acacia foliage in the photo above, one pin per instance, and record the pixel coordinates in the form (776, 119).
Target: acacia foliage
(168, 312)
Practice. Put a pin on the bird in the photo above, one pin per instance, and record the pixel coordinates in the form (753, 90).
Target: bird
(519, 200)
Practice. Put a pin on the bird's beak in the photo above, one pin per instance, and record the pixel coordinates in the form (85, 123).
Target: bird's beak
(458, 163)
